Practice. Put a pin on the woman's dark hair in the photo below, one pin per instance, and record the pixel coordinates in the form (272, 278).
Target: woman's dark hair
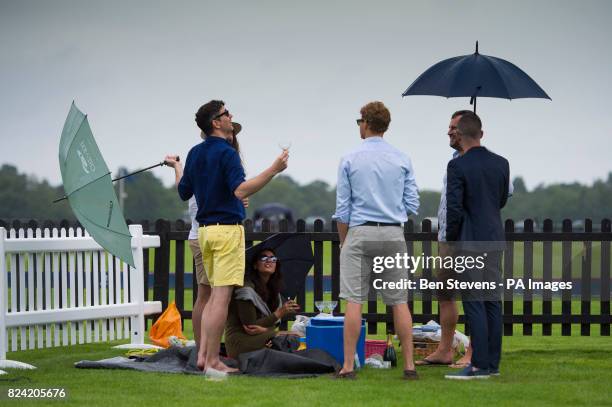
(236, 146)
(268, 292)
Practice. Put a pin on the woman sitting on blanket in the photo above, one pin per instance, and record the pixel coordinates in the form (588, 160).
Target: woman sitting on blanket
(251, 323)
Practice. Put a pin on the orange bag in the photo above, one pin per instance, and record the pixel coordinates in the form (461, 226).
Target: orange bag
(168, 324)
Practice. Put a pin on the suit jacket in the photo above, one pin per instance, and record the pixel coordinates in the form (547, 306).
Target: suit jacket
(477, 190)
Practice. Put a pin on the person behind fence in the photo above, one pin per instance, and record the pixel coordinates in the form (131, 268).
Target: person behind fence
(443, 355)
(477, 188)
(376, 191)
(257, 308)
(214, 174)
(203, 292)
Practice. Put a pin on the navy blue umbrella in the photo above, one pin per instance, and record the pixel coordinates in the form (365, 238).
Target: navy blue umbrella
(295, 254)
(476, 75)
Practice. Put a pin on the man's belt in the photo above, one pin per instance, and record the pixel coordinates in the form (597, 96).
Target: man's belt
(219, 223)
(380, 224)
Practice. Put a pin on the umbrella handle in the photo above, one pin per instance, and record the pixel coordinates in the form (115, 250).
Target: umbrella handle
(145, 169)
(127, 175)
(475, 95)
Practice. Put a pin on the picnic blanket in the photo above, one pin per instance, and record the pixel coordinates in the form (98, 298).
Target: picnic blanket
(263, 362)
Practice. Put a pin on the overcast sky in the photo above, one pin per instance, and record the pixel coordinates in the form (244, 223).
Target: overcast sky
(301, 70)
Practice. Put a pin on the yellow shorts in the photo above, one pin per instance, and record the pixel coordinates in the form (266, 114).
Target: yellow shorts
(222, 249)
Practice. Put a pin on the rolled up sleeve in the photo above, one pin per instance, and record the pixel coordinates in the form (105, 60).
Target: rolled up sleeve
(343, 195)
(411, 192)
(185, 186)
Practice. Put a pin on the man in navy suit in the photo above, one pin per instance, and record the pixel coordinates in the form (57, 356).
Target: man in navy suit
(477, 190)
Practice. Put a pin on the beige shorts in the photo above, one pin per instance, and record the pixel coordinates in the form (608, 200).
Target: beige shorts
(443, 274)
(201, 278)
(362, 245)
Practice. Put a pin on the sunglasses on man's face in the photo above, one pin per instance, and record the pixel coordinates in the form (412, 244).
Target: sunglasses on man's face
(272, 259)
(226, 113)
(359, 121)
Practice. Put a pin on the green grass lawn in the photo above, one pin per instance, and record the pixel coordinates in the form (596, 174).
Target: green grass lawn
(542, 371)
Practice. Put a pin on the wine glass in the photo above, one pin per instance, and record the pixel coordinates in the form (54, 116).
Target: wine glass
(284, 144)
(332, 306)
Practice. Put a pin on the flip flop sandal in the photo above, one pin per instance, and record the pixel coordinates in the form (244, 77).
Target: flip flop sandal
(410, 375)
(347, 375)
(426, 362)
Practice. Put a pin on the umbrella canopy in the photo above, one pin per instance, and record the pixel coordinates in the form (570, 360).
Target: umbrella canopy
(88, 187)
(473, 76)
(295, 254)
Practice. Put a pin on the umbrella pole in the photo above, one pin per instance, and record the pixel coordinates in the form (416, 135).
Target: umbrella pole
(475, 103)
(125, 176)
(139, 171)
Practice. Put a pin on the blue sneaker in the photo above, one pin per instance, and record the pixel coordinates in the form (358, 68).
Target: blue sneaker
(494, 372)
(468, 374)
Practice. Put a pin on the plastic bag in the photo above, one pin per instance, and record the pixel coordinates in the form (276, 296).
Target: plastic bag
(376, 361)
(433, 331)
(168, 324)
(300, 323)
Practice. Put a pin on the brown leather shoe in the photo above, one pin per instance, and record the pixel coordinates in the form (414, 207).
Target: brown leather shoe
(410, 375)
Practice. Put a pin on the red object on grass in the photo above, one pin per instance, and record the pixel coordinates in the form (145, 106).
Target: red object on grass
(373, 346)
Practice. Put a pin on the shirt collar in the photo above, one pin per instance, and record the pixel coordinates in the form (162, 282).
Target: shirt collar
(215, 139)
(373, 139)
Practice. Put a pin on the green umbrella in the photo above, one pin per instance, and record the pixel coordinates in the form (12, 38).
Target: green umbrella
(88, 187)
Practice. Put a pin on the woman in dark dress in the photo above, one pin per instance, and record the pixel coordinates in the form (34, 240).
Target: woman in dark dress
(257, 307)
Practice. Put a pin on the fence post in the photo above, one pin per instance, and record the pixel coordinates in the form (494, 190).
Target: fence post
(4, 299)
(283, 227)
(179, 271)
(335, 266)
(547, 276)
(409, 228)
(161, 283)
(527, 276)
(318, 263)
(301, 297)
(585, 306)
(566, 275)
(605, 279)
(137, 294)
(145, 262)
(426, 294)
(509, 273)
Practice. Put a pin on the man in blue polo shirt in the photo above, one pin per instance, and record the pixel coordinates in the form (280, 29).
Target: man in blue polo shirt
(214, 174)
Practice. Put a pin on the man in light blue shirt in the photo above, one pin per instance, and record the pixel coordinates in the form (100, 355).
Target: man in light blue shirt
(375, 194)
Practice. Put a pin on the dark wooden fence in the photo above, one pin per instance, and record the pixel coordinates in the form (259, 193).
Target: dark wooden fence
(592, 291)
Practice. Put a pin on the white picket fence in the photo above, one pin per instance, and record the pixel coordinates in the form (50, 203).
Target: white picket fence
(66, 290)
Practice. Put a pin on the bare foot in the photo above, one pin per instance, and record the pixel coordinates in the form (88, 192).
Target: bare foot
(222, 367)
(201, 364)
(438, 357)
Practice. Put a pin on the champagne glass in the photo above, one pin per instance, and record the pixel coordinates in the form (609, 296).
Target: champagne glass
(284, 144)
(332, 306)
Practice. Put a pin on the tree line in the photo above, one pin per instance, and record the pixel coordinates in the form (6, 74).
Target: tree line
(25, 197)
